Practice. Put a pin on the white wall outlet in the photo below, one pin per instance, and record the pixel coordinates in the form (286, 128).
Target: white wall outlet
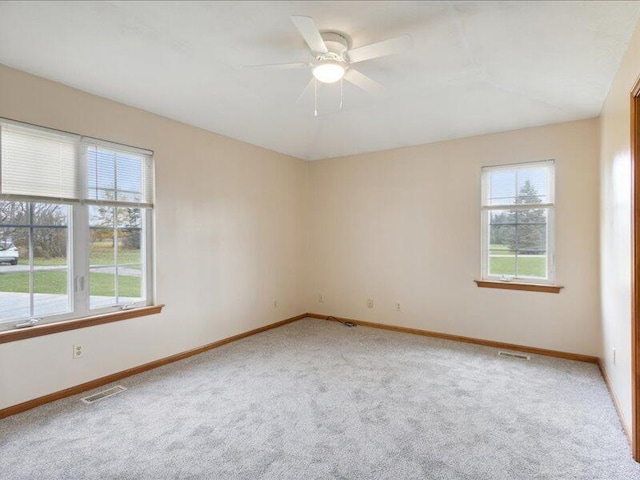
(369, 303)
(614, 356)
(398, 306)
(275, 304)
(78, 351)
(320, 298)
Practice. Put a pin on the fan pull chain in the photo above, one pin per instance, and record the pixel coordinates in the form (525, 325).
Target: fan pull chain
(341, 92)
(315, 97)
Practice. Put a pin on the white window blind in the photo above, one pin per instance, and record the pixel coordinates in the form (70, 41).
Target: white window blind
(118, 175)
(510, 186)
(39, 163)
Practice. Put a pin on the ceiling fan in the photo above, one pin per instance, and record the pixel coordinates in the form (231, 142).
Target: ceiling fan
(334, 58)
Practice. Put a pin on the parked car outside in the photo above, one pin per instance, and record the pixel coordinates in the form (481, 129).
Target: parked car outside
(9, 252)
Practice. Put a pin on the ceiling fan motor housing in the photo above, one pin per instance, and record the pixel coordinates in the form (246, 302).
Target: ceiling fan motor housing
(337, 44)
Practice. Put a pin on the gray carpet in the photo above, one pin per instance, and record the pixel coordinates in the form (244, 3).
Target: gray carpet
(314, 399)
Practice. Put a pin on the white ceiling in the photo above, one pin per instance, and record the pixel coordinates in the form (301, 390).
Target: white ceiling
(476, 67)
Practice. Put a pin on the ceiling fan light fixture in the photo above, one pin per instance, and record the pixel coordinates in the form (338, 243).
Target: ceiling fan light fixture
(329, 72)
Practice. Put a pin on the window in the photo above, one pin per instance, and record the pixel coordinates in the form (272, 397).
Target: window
(517, 222)
(75, 226)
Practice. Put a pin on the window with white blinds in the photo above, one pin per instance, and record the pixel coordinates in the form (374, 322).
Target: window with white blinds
(518, 207)
(75, 226)
(43, 163)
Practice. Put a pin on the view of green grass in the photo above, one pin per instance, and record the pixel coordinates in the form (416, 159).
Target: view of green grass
(45, 282)
(505, 263)
(527, 266)
(101, 284)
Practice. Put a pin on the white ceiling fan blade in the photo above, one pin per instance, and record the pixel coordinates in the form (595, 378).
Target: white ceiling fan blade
(307, 28)
(307, 89)
(380, 49)
(281, 66)
(365, 83)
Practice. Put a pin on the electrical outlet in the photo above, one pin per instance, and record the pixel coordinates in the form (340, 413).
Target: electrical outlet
(369, 303)
(320, 298)
(398, 307)
(78, 351)
(275, 304)
(614, 356)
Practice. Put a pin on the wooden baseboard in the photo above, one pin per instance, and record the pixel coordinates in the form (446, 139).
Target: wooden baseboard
(67, 392)
(616, 403)
(457, 338)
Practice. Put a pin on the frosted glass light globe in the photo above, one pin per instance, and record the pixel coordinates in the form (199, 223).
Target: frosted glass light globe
(328, 72)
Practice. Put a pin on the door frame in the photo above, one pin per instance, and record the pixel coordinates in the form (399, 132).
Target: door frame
(635, 270)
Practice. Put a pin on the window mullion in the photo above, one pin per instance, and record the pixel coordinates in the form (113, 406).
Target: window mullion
(148, 260)
(80, 246)
(80, 240)
(517, 250)
(115, 253)
(31, 260)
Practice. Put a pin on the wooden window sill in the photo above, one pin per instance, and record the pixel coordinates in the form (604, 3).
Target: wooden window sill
(57, 327)
(529, 287)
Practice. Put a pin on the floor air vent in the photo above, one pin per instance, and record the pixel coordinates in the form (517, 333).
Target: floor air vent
(110, 392)
(514, 355)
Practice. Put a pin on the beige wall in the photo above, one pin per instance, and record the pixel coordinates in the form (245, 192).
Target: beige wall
(404, 226)
(616, 227)
(229, 222)
(239, 227)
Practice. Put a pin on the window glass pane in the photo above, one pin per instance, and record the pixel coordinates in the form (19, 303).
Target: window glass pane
(117, 176)
(34, 284)
(130, 262)
(102, 256)
(518, 242)
(14, 294)
(102, 245)
(502, 234)
(15, 300)
(129, 236)
(14, 246)
(130, 284)
(14, 213)
(50, 215)
(502, 187)
(50, 263)
(520, 185)
(533, 185)
(129, 177)
(50, 291)
(117, 266)
(101, 174)
(532, 242)
(102, 287)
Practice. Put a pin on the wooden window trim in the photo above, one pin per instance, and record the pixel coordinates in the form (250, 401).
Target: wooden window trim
(635, 268)
(57, 327)
(529, 287)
